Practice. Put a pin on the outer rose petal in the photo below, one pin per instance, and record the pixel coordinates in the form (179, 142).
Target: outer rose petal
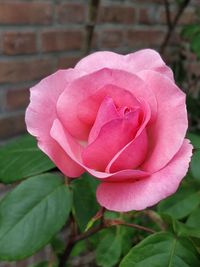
(41, 113)
(167, 133)
(127, 196)
(146, 59)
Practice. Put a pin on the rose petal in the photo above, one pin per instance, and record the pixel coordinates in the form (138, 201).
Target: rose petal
(64, 139)
(167, 133)
(113, 137)
(131, 156)
(134, 153)
(127, 196)
(74, 100)
(106, 113)
(41, 113)
(146, 59)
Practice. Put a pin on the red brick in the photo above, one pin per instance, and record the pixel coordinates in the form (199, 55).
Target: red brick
(65, 62)
(68, 12)
(194, 68)
(27, 70)
(117, 14)
(17, 99)
(19, 43)
(11, 126)
(61, 40)
(25, 12)
(146, 16)
(145, 38)
(112, 39)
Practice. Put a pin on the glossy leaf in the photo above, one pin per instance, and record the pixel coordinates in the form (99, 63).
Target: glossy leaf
(181, 204)
(195, 139)
(31, 215)
(22, 158)
(109, 250)
(195, 165)
(194, 219)
(85, 204)
(162, 250)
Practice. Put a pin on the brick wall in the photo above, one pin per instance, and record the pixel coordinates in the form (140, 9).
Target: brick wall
(38, 37)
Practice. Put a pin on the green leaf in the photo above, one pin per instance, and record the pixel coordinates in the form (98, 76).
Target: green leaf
(22, 158)
(109, 250)
(84, 198)
(189, 31)
(181, 229)
(195, 165)
(195, 45)
(194, 219)
(127, 234)
(31, 215)
(79, 248)
(195, 139)
(57, 245)
(180, 204)
(162, 250)
(192, 33)
(41, 264)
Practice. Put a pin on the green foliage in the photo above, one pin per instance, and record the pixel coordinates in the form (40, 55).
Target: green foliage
(57, 245)
(109, 250)
(192, 33)
(162, 250)
(31, 215)
(21, 158)
(182, 203)
(41, 264)
(195, 163)
(84, 199)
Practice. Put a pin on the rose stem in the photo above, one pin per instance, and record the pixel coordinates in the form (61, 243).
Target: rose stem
(172, 24)
(104, 224)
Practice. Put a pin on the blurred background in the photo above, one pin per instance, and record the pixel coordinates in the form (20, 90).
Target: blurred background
(38, 37)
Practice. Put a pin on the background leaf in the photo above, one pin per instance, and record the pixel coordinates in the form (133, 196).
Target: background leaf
(162, 250)
(109, 250)
(22, 158)
(182, 203)
(84, 199)
(195, 163)
(31, 215)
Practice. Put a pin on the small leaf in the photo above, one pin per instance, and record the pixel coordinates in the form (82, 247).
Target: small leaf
(22, 158)
(162, 250)
(31, 215)
(194, 219)
(79, 248)
(109, 250)
(195, 139)
(57, 245)
(195, 165)
(181, 229)
(84, 198)
(41, 264)
(180, 204)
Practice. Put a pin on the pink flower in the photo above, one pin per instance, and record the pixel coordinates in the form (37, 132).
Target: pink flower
(120, 118)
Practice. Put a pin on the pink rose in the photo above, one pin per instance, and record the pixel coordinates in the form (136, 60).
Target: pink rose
(120, 118)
